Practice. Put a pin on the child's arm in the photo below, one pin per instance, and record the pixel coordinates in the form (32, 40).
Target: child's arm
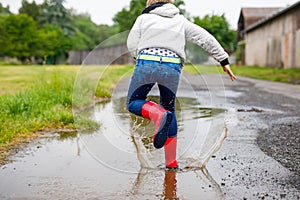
(204, 39)
(227, 69)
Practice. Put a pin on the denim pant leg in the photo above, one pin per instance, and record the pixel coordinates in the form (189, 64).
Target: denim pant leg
(138, 99)
(168, 85)
(140, 85)
(145, 75)
(167, 100)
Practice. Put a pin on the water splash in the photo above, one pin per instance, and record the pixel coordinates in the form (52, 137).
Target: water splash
(201, 132)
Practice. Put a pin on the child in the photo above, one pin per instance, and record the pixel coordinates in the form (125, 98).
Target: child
(157, 42)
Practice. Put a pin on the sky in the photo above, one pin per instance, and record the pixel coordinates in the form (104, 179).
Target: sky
(102, 11)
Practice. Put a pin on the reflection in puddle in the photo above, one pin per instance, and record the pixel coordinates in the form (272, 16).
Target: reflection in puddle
(169, 185)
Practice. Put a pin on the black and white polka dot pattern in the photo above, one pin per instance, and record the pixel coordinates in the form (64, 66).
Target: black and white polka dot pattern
(159, 52)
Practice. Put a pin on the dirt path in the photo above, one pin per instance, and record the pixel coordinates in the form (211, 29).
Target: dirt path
(64, 167)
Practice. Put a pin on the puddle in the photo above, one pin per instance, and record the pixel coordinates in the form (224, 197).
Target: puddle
(119, 161)
(123, 137)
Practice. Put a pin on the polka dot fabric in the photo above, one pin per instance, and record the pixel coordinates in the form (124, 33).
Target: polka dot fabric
(159, 52)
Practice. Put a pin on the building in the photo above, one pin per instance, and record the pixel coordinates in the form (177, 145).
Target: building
(274, 41)
(249, 16)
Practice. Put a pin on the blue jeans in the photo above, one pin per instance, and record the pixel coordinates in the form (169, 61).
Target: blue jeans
(146, 75)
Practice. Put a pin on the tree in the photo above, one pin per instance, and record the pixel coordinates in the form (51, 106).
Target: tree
(52, 44)
(89, 35)
(126, 17)
(19, 37)
(106, 32)
(54, 12)
(4, 11)
(85, 31)
(180, 4)
(31, 9)
(219, 27)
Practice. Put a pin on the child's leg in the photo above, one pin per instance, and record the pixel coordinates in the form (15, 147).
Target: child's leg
(137, 98)
(168, 86)
(167, 99)
(137, 104)
(162, 119)
(170, 153)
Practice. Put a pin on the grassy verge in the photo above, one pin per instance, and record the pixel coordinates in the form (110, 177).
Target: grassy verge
(36, 98)
(14, 79)
(272, 74)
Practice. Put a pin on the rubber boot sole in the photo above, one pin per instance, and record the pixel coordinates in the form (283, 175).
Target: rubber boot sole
(172, 168)
(161, 136)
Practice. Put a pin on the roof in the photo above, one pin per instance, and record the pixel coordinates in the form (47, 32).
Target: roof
(272, 16)
(250, 15)
(258, 12)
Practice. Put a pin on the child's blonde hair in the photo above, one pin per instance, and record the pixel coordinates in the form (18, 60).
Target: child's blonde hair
(149, 2)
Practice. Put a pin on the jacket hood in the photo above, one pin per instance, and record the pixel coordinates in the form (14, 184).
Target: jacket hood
(167, 10)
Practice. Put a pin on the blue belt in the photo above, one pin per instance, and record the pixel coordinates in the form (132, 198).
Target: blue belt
(159, 58)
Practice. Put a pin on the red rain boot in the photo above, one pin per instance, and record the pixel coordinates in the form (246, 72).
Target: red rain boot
(161, 119)
(170, 153)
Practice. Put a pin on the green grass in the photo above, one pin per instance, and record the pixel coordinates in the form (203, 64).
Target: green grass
(291, 76)
(14, 79)
(38, 98)
(201, 69)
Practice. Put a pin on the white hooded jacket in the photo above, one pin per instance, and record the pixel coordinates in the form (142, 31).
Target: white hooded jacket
(164, 27)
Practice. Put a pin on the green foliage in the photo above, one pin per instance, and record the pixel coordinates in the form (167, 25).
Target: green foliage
(19, 36)
(219, 27)
(106, 31)
(180, 4)
(127, 16)
(56, 30)
(54, 12)
(4, 11)
(53, 43)
(31, 9)
(240, 49)
(51, 30)
(88, 34)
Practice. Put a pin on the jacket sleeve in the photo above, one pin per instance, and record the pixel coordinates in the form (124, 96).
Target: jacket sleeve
(134, 38)
(204, 39)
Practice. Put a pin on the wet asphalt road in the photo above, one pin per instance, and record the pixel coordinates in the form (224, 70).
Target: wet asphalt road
(258, 160)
